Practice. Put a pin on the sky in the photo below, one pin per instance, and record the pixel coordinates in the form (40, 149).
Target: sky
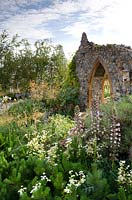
(64, 21)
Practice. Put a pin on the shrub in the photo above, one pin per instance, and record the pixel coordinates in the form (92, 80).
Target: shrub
(67, 96)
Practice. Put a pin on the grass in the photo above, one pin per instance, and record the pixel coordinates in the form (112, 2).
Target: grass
(5, 118)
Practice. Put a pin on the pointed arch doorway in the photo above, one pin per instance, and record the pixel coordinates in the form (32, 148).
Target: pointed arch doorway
(100, 87)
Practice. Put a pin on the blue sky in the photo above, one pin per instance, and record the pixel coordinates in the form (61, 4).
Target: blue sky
(104, 21)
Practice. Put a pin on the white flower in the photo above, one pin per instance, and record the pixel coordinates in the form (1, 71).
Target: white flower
(67, 190)
(71, 171)
(124, 174)
(44, 177)
(75, 180)
(72, 181)
(22, 190)
(35, 187)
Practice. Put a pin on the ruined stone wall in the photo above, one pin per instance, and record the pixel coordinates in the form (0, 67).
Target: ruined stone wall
(117, 62)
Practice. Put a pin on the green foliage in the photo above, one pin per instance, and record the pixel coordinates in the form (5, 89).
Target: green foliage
(3, 162)
(96, 185)
(20, 65)
(122, 111)
(121, 194)
(23, 108)
(68, 95)
(58, 127)
(72, 77)
(54, 160)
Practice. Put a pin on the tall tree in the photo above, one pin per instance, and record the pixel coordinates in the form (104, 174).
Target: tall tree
(20, 64)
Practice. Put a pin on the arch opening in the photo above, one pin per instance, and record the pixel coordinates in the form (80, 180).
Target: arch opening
(100, 88)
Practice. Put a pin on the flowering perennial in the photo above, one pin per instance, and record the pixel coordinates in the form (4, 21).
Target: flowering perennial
(75, 180)
(124, 174)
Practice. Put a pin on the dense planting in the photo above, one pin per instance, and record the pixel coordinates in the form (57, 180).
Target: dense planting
(56, 157)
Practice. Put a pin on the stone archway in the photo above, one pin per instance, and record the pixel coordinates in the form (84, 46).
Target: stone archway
(98, 82)
(114, 62)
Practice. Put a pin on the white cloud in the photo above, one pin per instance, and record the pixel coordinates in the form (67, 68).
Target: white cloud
(76, 29)
(8, 4)
(31, 24)
(33, 20)
(75, 6)
(104, 21)
(116, 24)
(91, 16)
